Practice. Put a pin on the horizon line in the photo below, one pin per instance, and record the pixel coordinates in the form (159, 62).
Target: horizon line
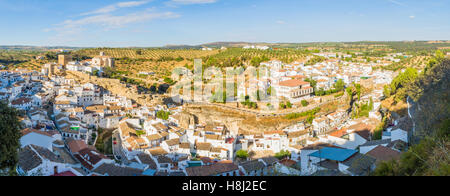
(200, 45)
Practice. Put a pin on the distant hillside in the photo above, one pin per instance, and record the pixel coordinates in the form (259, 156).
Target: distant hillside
(398, 46)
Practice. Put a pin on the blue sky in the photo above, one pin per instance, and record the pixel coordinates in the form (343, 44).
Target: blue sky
(148, 23)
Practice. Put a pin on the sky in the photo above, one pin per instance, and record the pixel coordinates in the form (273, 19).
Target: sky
(153, 23)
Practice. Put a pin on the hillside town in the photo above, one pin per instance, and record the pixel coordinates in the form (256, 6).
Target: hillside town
(66, 126)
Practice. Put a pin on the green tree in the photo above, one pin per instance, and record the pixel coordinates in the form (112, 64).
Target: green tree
(9, 136)
(242, 154)
(350, 93)
(371, 104)
(312, 82)
(283, 154)
(163, 115)
(358, 91)
(305, 103)
(339, 85)
(289, 104)
(387, 91)
(439, 55)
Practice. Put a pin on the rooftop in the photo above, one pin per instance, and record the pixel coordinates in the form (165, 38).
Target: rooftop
(382, 153)
(211, 170)
(336, 154)
(293, 83)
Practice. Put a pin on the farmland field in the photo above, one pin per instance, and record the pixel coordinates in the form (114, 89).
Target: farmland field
(131, 61)
(148, 54)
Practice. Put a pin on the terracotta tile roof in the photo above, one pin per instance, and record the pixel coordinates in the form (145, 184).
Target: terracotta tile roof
(160, 127)
(211, 170)
(361, 127)
(376, 142)
(173, 142)
(154, 137)
(163, 133)
(28, 131)
(62, 103)
(382, 153)
(293, 83)
(78, 109)
(297, 134)
(206, 160)
(115, 170)
(339, 133)
(67, 173)
(270, 160)
(288, 162)
(28, 159)
(366, 134)
(76, 146)
(359, 164)
(213, 137)
(164, 159)
(114, 108)
(146, 159)
(185, 146)
(96, 107)
(204, 146)
(254, 165)
(157, 151)
(318, 146)
(126, 130)
(141, 141)
(21, 101)
(91, 156)
(216, 150)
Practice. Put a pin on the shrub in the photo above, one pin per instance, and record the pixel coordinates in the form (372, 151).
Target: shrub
(242, 154)
(305, 103)
(163, 115)
(289, 104)
(283, 154)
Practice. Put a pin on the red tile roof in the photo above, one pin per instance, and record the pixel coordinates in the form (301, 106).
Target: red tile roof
(67, 173)
(76, 145)
(293, 83)
(46, 133)
(382, 153)
(339, 133)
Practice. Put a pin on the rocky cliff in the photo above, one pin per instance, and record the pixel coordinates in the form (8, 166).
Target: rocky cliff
(236, 122)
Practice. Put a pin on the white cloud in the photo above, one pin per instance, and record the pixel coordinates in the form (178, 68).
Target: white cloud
(105, 22)
(117, 21)
(412, 17)
(114, 7)
(104, 19)
(397, 2)
(186, 2)
(281, 22)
